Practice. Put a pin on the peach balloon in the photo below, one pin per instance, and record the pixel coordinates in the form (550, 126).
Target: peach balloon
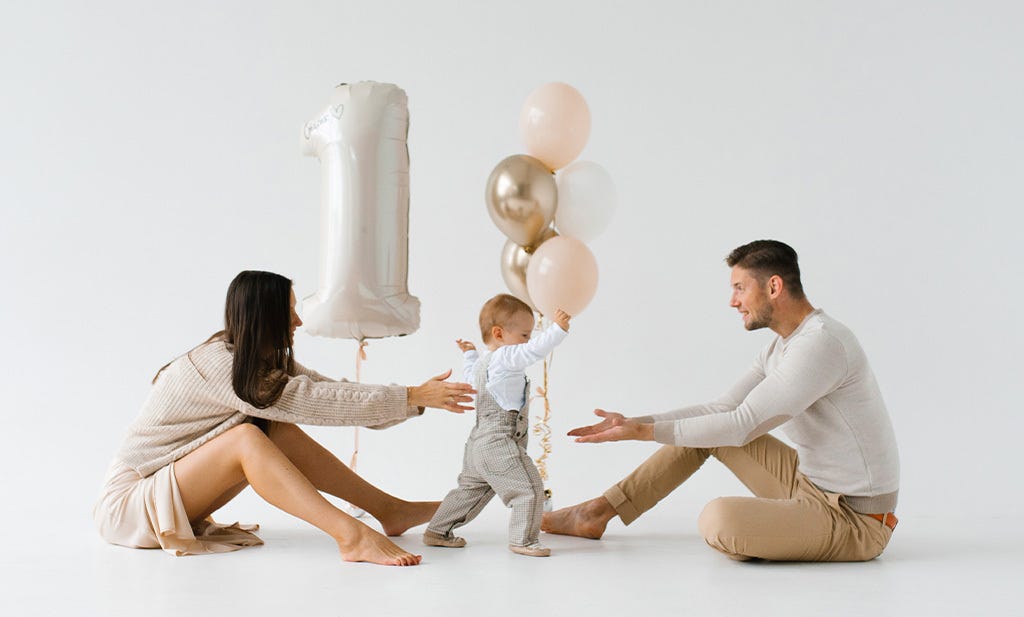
(562, 274)
(555, 124)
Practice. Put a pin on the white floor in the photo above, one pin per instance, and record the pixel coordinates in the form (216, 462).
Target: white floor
(658, 566)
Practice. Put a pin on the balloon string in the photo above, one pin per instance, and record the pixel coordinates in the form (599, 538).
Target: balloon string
(542, 427)
(360, 356)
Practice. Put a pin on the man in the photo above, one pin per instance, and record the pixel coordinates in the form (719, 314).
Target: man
(830, 499)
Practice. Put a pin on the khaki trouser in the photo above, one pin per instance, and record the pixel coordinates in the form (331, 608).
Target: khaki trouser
(790, 519)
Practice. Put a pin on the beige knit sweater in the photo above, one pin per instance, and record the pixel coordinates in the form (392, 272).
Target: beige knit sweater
(193, 401)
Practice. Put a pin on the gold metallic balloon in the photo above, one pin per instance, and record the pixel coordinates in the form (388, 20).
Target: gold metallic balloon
(514, 260)
(521, 199)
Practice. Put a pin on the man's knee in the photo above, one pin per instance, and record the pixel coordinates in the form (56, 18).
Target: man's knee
(724, 453)
(721, 526)
(717, 520)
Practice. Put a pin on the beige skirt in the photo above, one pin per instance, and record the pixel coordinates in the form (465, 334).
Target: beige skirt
(148, 513)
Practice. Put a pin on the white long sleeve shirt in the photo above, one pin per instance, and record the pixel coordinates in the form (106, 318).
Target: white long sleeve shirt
(815, 386)
(506, 375)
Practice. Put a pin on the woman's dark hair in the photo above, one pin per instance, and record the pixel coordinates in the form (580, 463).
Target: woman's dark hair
(257, 325)
(257, 320)
(766, 258)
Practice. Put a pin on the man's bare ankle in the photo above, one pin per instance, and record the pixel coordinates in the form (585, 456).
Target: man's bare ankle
(600, 508)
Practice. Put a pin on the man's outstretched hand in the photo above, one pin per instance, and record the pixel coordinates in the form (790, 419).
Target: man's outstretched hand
(614, 427)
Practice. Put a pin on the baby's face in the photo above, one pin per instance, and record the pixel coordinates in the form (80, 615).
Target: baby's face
(518, 329)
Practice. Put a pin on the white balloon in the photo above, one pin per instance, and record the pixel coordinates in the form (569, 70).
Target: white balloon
(360, 139)
(586, 200)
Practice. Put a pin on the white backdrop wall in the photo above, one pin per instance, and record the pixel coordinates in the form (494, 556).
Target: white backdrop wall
(149, 152)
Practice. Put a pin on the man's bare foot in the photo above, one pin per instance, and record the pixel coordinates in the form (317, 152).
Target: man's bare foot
(365, 544)
(584, 520)
(407, 514)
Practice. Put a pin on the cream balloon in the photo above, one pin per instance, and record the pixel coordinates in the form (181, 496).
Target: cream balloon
(586, 200)
(360, 139)
(521, 198)
(514, 260)
(562, 274)
(555, 124)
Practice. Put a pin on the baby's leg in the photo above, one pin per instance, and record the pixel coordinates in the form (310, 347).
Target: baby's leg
(520, 487)
(461, 505)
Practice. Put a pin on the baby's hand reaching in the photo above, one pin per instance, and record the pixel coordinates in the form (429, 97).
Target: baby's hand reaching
(562, 319)
(465, 345)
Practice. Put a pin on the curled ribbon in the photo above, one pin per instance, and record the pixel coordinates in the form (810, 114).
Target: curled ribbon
(360, 356)
(542, 428)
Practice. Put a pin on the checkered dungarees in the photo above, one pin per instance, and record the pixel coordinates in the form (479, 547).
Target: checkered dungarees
(496, 462)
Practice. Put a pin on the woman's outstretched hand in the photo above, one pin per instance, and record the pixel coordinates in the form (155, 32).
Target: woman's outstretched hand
(441, 394)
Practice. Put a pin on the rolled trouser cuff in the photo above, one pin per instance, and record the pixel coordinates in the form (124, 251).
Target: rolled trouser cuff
(622, 505)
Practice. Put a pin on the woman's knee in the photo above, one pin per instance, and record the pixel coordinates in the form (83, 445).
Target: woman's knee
(279, 430)
(246, 436)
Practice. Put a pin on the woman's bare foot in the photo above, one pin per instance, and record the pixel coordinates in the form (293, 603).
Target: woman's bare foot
(365, 544)
(407, 514)
(584, 520)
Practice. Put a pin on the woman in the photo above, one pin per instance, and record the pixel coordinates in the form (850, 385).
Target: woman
(223, 417)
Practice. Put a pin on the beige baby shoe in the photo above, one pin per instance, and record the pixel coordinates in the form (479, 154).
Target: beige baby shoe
(535, 549)
(435, 539)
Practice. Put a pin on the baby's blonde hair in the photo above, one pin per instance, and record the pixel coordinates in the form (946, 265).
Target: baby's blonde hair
(498, 311)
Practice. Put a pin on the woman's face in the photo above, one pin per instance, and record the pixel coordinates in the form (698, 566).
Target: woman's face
(296, 321)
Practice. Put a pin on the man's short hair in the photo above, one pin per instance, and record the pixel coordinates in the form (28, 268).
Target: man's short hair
(498, 311)
(766, 258)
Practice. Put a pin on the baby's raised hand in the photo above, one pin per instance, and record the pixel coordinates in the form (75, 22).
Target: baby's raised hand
(562, 319)
(465, 345)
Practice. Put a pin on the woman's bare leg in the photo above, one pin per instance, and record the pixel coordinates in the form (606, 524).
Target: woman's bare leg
(221, 501)
(245, 454)
(332, 476)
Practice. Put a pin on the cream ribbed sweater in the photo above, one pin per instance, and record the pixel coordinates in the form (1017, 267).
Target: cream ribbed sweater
(193, 401)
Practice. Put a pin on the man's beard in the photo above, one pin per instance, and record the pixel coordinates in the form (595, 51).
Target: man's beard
(760, 319)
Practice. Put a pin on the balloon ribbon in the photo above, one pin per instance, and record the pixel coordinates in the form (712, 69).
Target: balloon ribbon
(360, 356)
(541, 427)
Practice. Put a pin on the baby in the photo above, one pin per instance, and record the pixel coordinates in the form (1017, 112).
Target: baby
(495, 457)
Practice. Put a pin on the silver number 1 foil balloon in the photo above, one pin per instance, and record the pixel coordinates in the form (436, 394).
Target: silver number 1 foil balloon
(360, 139)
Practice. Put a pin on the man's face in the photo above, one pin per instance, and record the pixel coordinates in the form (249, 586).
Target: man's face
(750, 298)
